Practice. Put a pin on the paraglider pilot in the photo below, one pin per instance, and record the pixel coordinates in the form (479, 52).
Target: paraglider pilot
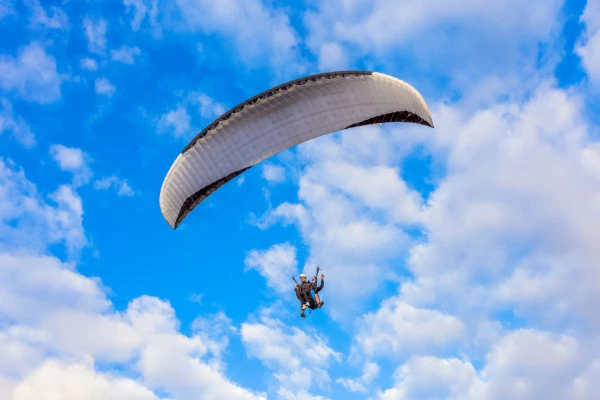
(303, 293)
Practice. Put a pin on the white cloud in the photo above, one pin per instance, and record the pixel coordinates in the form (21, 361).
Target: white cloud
(72, 160)
(332, 56)
(58, 19)
(196, 298)
(525, 364)
(276, 265)
(32, 75)
(351, 212)
(104, 87)
(71, 344)
(267, 33)
(35, 289)
(513, 217)
(6, 8)
(383, 23)
(433, 33)
(398, 329)
(15, 125)
(95, 33)
(173, 362)
(168, 361)
(142, 9)
(273, 173)
(298, 358)
(299, 394)
(430, 377)
(77, 162)
(215, 330)
(125, 54)
(78, 382)
(178, 121)
(68, 158)
(537, 283)
(586, 385)
(376, 187)
(209, 108)
(67, 221)
(115, 183)
(370, 372)
(45, 305)
(487, 238)
(89, 63)
(498, 237)
(25, 218)
(590, 158)
(544, 364)
(175, 121)
(588, 47)
(19, 354)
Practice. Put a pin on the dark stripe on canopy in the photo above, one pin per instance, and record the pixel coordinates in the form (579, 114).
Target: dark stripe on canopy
(398, 116)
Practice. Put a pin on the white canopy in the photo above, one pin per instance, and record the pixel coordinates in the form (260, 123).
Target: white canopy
(278, 119)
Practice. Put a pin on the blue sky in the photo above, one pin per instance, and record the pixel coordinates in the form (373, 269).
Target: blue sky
(463, 260)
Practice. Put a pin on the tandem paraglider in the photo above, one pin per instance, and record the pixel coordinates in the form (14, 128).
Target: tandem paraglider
(278, 119)
(304, 291)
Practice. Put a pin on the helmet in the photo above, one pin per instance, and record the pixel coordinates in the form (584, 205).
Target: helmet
(302, 276)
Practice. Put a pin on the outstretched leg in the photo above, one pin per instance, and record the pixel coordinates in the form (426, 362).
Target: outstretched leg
(306, 298)
(301, 297)
(318, 298)
(317, 290)
(305, 301)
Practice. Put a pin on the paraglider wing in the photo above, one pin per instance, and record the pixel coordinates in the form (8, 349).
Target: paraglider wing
(278, 119)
